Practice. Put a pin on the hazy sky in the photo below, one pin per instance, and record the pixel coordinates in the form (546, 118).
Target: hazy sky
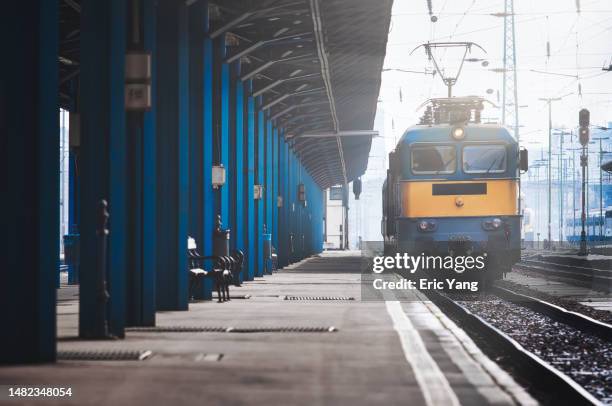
(580, 44)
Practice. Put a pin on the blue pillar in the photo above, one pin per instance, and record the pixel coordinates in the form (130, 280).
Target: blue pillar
(208, 210)
(240, 191)
(281, 192)
(269, 177)
(197, 31)
(275, 189)
(298, 210)
(142, 180)
(261, 215)
(286, 205)
(173, 157)
(291, 206)
(224, 147)
(231, 175)
(250, 219)
(201, 201)
(103, 158)
(29, 152)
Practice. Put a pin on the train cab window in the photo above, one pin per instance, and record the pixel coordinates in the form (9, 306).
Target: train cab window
(433, 159)
(484, 158)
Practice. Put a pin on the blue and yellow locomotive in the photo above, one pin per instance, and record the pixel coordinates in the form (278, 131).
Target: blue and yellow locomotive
(452, 188)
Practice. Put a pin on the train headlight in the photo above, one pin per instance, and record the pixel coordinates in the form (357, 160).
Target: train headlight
(458, 133)
(492, 225)
(426, 225)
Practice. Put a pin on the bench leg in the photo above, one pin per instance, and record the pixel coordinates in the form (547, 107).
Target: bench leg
(220, 297)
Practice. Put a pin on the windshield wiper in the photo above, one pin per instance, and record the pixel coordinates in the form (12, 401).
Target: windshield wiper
(445, 165)
(494, 162)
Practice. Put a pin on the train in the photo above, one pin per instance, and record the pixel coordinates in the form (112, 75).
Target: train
(452, 188)
(597, 227)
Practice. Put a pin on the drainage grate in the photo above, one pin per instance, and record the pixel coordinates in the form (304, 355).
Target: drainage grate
(208, 357)
(331, 329)
(215, 297)
(177, 329)
(104, 355)
(205, 329)
(319, 298)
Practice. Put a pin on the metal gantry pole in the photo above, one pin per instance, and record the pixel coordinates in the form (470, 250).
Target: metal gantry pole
(601, 213)
(583, 164)
(549, 171)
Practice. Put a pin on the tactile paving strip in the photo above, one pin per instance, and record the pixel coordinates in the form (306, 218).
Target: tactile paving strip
(331, 298)
(104, 355)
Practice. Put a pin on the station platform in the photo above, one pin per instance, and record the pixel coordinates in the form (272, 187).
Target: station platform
(301, 336)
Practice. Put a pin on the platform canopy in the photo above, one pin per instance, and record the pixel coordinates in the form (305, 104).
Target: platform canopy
(316, 64)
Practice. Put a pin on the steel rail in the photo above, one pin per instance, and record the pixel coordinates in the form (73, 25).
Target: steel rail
(540, 374)
(576, 320)
(599, 279)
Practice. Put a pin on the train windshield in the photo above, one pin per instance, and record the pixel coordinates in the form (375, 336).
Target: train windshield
(484, 159)
(433, 159)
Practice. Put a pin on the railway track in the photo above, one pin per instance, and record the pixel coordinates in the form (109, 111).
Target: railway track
(563, 357)
(599, 279)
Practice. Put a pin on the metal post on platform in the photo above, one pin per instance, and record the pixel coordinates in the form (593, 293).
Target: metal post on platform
(101, 322)
(583, 164)
(584, 120)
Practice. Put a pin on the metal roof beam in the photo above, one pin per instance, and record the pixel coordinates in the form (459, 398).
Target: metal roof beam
(248, 14)
(266, 65)
(296, 129)
(287, 95)
(357, 133)
(261, 43)
(301, 116)
(73, 5)
(293, 107)
(280, 81)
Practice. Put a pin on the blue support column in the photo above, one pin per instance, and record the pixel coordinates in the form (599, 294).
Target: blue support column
(269, 189)
(197, 31)
(269, 177)
(287, 203)
(291, 214)
(231, 174)
(173, 154)
(224, 146)
(208, 210)
(281, 192)
(149, 177)
(298, 210)
(29, 152)
(240, 191)
(117, 199)
(103, 159)
(275, 177)
(149, 180)
(261, 215)
(251, 167)
(201, 201)
(142, 186)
